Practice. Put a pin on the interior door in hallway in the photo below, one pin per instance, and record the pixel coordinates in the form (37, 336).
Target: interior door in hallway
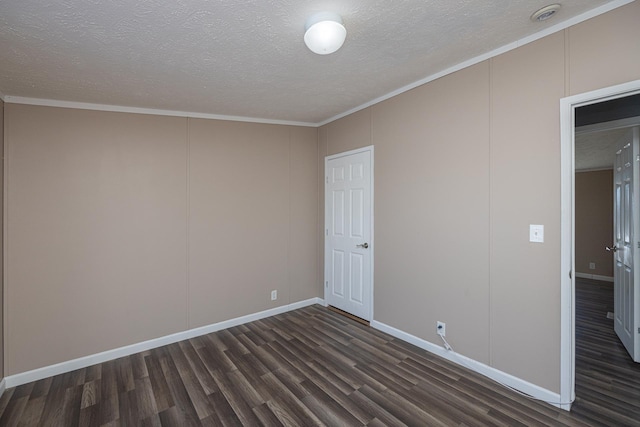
(626, 246)
(349, 231)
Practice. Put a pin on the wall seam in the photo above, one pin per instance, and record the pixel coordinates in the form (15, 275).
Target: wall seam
(5, 244)
(490, 240)
(318, 253)
(320, 225)
(289, 243)
(323, 222)
(370, 125)
(567, 64)
(188, 224)
(572, 350)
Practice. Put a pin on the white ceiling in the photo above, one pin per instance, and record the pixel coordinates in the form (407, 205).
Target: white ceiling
(247, 58)
(596, 150)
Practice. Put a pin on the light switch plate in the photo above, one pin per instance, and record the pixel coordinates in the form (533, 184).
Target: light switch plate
(536, 233)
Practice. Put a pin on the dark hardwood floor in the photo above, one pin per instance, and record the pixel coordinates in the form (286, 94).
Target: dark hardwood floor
(312, 367)
(607, 379)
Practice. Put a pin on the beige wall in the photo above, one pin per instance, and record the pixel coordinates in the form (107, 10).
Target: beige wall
(304, 243)
(603, 51)
(252, 218)
(432, 210)
(2, 241)
(126, 227)
(527, 85)
(463, 165)
(594, 221)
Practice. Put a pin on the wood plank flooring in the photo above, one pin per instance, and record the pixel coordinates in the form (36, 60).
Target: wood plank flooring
(303, 368)
(607, 379)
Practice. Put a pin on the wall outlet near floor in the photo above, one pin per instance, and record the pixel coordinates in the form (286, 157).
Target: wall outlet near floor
(274, 295)
(440, 328)
(592, 266)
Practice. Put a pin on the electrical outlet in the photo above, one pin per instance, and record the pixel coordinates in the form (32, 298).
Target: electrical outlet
(592, 266)
(440, 328)
(536, 233)
(274, 295)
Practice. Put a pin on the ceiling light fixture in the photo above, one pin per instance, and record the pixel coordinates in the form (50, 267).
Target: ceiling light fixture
(545, 13)
(324, 33)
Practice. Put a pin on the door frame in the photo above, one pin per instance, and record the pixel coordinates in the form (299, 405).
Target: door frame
(372, 245)
(567, 227)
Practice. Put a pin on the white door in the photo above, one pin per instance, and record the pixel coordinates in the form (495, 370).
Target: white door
(626, 252)
(348, 232)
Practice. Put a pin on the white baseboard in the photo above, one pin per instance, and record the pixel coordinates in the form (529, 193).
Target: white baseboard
(83, 362)
(493, 373)
(594, 277)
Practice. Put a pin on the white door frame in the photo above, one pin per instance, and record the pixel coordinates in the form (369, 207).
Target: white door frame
(372, 245)
(567, 227)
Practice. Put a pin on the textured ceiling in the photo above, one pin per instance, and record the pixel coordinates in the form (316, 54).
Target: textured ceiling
(246, 58)
(596, 150)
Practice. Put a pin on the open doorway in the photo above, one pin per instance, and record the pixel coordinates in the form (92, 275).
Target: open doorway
(593, 196)
(591, 124)
(604, 368)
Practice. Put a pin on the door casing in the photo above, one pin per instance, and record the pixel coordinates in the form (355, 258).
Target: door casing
(567, 227)
(372, 245)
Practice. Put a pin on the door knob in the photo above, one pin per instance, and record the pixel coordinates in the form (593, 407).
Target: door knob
(613, 249)
(364, 245)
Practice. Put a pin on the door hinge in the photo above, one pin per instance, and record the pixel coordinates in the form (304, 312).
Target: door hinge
(570, 275)
(326, 232)
(638, 245)
(326, 179)
(326, 284)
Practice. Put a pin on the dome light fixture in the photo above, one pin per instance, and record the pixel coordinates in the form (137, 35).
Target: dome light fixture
(324, 33)
(545, 13)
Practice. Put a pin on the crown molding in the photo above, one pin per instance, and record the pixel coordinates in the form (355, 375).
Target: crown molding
(468, 63)
(152, 111)
(473, 61)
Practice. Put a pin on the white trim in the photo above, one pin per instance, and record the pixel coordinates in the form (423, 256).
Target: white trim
(83, 362)
(3, 386)
(567, 261)
(373, 237)
(600, 95)
(492, 54)
(348, 153)
(138, 110)
(567, 225)
(369, 149)
(595, 277)
(479, 367)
